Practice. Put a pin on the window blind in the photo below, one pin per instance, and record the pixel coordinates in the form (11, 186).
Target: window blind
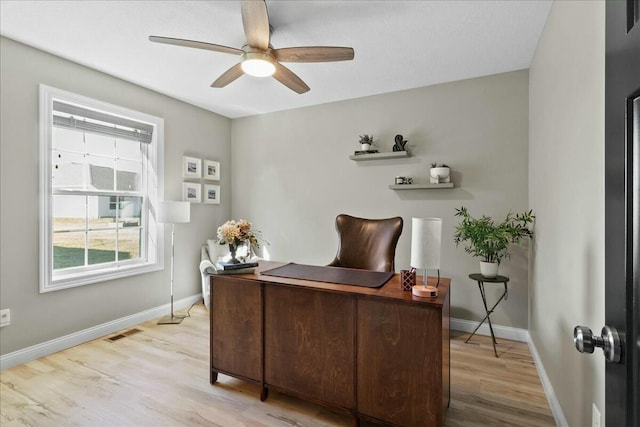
(83, 119)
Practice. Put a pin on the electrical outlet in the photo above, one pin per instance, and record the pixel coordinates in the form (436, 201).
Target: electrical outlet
(595, 416)
(5, 317)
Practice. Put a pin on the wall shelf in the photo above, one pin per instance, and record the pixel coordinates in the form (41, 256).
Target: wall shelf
(380, 156)
(421, 186)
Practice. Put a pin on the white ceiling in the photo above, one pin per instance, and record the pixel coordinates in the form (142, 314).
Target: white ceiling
(398, 44)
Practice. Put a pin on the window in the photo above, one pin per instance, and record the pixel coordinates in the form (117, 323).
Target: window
(101, 176)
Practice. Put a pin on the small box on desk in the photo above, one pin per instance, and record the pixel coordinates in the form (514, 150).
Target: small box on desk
(407, 279)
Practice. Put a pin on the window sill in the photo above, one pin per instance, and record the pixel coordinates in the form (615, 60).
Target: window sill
(79, 279)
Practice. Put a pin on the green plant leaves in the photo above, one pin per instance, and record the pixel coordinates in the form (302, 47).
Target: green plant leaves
(489, 240)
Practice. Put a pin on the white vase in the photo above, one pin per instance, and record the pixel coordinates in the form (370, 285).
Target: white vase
(489, 269)
(365, 147)
(439, 175)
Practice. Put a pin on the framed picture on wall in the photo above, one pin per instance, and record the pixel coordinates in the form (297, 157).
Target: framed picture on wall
(191, 192)
(191, 167)
(212, 194)
(212, 170)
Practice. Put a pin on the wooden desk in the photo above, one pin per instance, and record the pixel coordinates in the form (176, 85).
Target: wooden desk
(380, 354)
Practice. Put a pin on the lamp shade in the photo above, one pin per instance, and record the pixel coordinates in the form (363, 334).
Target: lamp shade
(174, 212)
(426, 239)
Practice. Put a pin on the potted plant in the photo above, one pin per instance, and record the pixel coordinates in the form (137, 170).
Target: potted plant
(366, 141)
(439, 173)
(489, 240)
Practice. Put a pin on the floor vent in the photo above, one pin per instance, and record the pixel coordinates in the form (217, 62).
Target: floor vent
(123, 335)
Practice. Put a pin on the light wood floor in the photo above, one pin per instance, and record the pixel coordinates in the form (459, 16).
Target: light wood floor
(159, 377)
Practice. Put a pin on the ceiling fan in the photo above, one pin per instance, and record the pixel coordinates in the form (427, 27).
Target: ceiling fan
(258, 57)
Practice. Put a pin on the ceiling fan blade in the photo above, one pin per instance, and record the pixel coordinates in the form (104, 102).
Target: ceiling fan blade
(313, 54)
(289, 79)
(196, 45)
(255, 20)
(228, 76)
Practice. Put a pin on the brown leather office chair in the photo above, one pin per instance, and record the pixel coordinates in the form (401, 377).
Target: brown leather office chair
(368, 244)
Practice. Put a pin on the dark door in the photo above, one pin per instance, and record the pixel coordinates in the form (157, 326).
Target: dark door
(620, 338)
(622, 209)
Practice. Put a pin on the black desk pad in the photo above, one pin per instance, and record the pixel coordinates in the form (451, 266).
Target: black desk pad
(340, 275)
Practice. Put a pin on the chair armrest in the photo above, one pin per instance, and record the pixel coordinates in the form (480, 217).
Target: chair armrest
(206, 266)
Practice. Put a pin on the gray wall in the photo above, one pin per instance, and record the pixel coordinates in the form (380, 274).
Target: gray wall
(292, 174)
(35, 317)
(566, 189)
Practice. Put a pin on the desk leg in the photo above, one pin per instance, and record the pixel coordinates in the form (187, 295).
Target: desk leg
(213, 376)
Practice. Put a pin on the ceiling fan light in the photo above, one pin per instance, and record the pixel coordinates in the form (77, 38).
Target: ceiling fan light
(258, 64)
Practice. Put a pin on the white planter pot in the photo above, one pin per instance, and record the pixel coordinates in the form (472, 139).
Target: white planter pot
(489, 269)
(365, 147)
(439, 175)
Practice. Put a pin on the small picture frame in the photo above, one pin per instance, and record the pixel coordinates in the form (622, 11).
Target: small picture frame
(212, 194)
(191, 167)
(212, 170)
(191, 192)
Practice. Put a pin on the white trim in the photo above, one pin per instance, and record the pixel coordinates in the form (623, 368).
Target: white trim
(506, 332)
(554, 404)
(33, 352)
(152, 248)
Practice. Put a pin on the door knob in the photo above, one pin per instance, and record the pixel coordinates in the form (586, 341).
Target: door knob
(610, 342)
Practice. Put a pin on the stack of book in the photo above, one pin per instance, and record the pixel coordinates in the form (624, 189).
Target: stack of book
(365, 152)
(241, 268)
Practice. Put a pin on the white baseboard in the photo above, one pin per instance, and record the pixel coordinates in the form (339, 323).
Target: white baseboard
(33, 352)
(554, 404)
(506, 332)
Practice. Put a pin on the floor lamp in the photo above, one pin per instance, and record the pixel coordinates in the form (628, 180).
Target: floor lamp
(426, 240)
(173, 213)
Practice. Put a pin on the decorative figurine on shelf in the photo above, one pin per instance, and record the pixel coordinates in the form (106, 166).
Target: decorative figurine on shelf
(402, 180)
(400, 144)
(439, 174)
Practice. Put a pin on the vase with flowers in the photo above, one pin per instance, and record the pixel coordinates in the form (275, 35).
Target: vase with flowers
(236, 234)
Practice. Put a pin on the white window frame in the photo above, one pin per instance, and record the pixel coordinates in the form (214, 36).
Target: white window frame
(153, 257)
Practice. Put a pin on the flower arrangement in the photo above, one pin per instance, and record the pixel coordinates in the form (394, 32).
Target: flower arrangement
(236, 233)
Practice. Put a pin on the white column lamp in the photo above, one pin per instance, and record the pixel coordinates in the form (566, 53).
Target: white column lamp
(426, 240)
(173, 213)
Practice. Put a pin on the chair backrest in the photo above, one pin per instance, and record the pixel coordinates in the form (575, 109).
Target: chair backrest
(368, 244)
